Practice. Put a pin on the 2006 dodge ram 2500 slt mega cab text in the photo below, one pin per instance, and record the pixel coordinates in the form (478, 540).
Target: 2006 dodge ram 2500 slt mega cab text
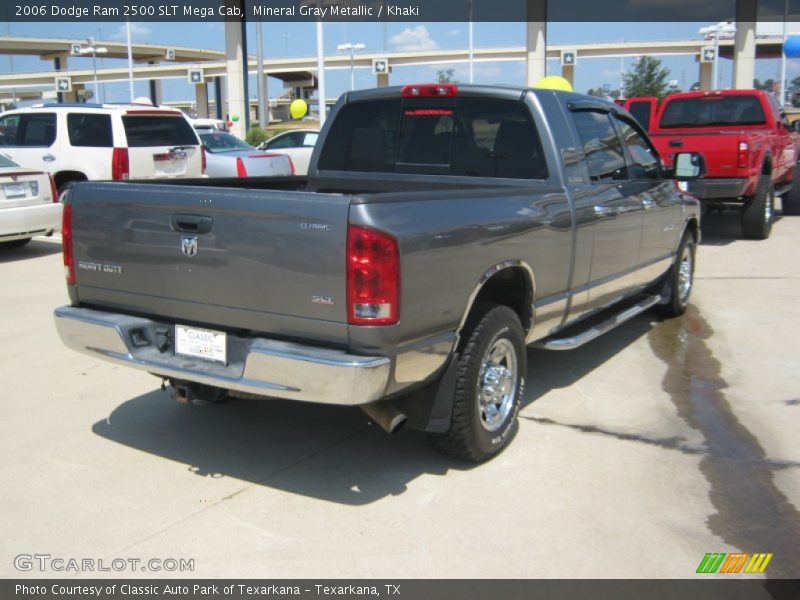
(440, 231)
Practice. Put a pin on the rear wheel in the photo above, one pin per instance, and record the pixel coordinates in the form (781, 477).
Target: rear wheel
(15, 243)
(489, 387)
(758, 211)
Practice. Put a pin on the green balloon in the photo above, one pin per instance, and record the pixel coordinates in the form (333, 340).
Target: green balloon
(235, 118)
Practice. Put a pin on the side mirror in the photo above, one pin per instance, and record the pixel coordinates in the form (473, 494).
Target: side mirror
(689, 165)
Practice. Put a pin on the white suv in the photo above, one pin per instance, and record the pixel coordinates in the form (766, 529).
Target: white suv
(75, 142)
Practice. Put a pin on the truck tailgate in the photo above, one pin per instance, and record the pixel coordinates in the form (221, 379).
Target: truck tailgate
(230, 258)
(720, 148)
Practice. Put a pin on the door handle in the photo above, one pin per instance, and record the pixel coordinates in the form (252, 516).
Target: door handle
(602, 211)
(48, 158)
(191, 223)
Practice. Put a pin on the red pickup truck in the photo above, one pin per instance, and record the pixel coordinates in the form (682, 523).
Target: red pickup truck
(751, 150)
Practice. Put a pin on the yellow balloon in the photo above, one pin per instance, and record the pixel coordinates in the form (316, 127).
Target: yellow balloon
(298, 109)
(554, 82)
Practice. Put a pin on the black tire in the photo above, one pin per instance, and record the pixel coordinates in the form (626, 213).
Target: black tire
(791, 199)
(479, 430)
(15, 243)
(758, 211)
(676, 294)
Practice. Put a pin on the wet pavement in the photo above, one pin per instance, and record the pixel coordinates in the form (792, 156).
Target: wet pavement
(635, 456)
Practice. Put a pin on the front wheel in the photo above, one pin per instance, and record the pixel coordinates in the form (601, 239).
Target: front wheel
(490, 382)
(758, 211)
(680, 279)
(791, 199)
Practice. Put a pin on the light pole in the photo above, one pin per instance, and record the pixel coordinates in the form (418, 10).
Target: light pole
(783, 54)
(321, 74)
(351, 48)
(130, 58)
(263, 100)
(102, 65)
(470, 42)
(726, 28)
(94, 50)
(286, 37)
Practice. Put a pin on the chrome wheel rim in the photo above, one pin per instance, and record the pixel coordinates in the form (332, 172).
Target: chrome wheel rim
(497, 384)
(685, 274)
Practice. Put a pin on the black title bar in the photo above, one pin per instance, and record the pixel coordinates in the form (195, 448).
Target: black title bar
(587, 11)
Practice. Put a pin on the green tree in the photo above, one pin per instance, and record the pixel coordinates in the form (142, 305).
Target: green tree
(647, 78)
(446, 76)
(793, 91)
(256, 135)
(766, 85)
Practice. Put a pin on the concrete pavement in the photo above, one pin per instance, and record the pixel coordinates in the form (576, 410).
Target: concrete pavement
(635, 456)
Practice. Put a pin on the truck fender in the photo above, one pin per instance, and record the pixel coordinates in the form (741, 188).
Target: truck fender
(481, 286)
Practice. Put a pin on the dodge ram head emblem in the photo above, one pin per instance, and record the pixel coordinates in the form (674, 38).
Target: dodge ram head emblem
(189, 245)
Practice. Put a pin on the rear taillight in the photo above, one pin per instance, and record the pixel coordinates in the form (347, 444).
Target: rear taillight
(373, 277)
(240, 170)
(53, 189)
(120, 165)
(204, 160)
(743, 160)
(66, 241)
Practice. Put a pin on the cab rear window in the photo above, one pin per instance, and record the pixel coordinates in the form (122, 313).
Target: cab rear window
(710, 111)
(157, 130)
(473, 137)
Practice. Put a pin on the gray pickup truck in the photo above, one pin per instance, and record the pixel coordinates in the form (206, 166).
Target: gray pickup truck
(441, 230)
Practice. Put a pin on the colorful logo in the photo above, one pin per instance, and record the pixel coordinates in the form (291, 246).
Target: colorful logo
(738, 562)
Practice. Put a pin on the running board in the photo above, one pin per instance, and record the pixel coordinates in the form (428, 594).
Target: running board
(568, 343)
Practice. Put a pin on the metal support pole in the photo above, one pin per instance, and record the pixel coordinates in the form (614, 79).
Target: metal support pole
(263, 101)
(352, 70)
(783, 54)
(716, 62)
(321, 74)
(471, 46)
(130, 59)
(94, 69)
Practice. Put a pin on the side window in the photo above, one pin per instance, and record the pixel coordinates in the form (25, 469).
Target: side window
(310, 140)
(37, 130)
(8, 130)
(286, 141)
(601, 145)
(641, 112)
(644, 158)
(89, 130)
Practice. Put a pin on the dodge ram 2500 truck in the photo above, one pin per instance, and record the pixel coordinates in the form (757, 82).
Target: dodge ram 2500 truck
(751, 150)
(441, 230)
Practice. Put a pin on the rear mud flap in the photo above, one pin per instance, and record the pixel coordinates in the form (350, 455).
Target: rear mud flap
(430, 408)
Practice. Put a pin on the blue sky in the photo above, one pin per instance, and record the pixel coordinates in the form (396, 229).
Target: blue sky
(298, 39)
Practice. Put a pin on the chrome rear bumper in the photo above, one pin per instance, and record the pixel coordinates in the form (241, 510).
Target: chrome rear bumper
(256, 365)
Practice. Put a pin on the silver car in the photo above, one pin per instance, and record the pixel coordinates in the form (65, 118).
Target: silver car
(228, 156)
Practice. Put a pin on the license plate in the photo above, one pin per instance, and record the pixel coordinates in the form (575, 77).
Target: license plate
(14, 190)
(204, 344)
